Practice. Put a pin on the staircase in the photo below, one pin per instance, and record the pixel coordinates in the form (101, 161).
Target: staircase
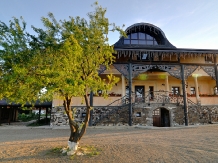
(117, 111)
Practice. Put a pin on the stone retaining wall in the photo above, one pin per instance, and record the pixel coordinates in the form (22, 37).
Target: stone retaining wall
(142, 115)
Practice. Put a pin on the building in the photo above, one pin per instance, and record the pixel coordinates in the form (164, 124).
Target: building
(160, 85)
(9, 111)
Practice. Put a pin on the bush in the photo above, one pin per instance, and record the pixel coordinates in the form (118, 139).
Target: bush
(27, 117)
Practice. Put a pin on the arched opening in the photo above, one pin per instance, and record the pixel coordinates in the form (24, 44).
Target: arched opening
(161, 117)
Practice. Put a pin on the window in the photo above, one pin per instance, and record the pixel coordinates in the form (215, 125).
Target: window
(138, 114)
(156, 112)
(141, 39)
(145, 57)
(175, 90)
(192, 90)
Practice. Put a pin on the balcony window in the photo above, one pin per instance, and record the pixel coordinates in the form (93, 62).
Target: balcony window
(175, 90)
(192, 91)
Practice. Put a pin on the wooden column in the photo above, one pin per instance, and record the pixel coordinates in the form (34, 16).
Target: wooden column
(216, 75)
(184, 95)
(39, 115)
(130, 94)
(123, 86)
(91, 111)
(46, 116)
(9, 116)
(0, 114)
(216, 70)
(167, 85)
(196, 89)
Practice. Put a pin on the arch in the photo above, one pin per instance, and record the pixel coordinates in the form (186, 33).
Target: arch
(161, 117)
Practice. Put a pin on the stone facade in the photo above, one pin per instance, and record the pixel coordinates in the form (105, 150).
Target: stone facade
(142, 115)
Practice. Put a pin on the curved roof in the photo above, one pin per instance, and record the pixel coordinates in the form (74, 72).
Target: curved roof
(138, 25)
(149, 29)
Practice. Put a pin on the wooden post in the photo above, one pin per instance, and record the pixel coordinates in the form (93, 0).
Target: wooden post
(9, 116)
(123, 86)
(197, 90)
(216, 70)
(91, 111)
(130, 94)
(184, 95)
(0, 115)
(39, 115)
(46, 116)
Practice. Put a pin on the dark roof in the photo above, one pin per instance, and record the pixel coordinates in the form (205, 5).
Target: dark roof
(37, 104)
(150, 29)
(165, 47)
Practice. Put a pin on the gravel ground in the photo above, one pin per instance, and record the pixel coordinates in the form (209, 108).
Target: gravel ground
(116, 144)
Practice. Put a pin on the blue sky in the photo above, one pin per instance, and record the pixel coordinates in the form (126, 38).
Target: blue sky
(186, 23)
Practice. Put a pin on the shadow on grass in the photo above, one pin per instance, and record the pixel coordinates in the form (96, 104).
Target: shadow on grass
(42, 122)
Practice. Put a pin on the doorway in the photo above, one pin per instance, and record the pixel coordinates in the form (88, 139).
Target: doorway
(161, 117)
(139, 93)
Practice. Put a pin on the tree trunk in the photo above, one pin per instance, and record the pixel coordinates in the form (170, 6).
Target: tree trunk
(75, 132)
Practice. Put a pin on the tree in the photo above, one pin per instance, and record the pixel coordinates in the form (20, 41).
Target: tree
(64, 58)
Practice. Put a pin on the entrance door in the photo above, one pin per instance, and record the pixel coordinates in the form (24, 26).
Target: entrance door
(156, 118)
(140, 93)
(161, 117)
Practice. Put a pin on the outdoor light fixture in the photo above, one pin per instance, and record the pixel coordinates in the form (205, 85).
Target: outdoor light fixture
(196, 75)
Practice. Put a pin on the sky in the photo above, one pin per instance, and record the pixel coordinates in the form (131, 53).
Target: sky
(186, 23)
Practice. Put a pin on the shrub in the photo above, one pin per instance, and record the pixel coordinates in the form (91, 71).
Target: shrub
(27, 117)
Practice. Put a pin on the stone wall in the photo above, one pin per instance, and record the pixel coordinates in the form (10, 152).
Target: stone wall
(101, 115)
(142, 115)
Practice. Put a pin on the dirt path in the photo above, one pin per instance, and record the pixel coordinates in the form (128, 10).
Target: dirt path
(117, 144)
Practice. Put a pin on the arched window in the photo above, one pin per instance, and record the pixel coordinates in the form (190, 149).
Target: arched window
(140, 39)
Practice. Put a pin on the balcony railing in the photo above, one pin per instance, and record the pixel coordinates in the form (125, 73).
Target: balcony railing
(151, 97)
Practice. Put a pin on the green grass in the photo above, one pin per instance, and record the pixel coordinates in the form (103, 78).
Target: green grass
(56, 150)
(91, 151)
(87, 151)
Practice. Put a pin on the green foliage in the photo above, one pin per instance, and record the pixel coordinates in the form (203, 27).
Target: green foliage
(27, 117)
(63, 58)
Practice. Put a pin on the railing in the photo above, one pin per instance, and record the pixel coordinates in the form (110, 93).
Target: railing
(163, 97)
(122, 101)
(150, 97)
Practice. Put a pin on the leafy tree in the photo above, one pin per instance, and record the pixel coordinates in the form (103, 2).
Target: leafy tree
(64, 58)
